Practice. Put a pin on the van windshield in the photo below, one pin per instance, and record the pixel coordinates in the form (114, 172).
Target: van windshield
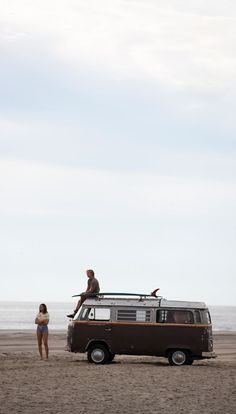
(206, 317)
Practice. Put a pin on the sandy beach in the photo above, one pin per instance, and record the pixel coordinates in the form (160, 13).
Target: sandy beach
(67, 383)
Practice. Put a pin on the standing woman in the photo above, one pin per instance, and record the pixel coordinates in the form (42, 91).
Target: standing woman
(42, 320)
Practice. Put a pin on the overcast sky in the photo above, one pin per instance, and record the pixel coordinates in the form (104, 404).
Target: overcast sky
(118, 148)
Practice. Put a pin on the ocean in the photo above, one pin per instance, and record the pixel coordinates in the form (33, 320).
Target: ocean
(21, 315)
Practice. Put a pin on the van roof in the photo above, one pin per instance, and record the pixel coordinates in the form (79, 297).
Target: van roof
(143, 302)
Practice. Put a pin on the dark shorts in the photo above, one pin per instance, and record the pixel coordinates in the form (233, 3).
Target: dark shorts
(42, 328)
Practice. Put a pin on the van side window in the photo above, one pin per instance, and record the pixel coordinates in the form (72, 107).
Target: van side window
(197, 316)
(99, 314)
(174, 316)
(134, 315)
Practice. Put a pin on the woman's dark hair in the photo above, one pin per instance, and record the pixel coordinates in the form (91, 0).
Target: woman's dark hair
(44, 307)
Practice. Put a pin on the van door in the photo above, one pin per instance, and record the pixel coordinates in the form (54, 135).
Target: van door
(99, 325)
(132, 332)
(94, 325)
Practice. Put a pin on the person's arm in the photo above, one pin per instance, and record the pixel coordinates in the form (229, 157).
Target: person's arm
(88, 287)
(42, 321)
(45, 321)
(39, 321)
(93, 286)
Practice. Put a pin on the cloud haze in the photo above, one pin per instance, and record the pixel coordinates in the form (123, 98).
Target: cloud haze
(117, 147)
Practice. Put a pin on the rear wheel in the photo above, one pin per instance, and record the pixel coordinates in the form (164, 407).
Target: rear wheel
(179, 357)
(98, 354)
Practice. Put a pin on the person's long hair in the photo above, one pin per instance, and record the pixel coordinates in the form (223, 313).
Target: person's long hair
(44, 308)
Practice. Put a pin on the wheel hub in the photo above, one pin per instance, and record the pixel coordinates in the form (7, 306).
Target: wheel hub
(97, 355)
(179, 357)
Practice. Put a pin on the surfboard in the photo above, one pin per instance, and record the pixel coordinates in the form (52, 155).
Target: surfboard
(143, 295)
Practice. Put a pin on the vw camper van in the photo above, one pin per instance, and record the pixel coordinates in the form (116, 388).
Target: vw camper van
(106, 326)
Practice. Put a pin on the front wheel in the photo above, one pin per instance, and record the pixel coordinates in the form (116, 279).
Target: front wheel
(98, 354)
(179, 357)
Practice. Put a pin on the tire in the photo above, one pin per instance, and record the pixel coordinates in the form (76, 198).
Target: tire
(98, 354)
(111, 357)
(179, 357)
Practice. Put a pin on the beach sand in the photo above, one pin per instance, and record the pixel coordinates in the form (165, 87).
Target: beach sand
(67, 383)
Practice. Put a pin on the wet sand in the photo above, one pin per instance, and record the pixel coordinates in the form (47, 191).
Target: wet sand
(67, 383)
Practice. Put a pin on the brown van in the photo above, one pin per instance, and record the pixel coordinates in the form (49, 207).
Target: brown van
(106, 326)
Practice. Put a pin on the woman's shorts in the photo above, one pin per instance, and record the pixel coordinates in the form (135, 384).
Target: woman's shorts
(42, 328)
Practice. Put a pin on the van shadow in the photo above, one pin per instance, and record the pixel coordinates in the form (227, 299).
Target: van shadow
(136, 362)
(123, 362)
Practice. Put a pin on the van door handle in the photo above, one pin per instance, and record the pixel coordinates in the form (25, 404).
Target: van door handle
(107, 329)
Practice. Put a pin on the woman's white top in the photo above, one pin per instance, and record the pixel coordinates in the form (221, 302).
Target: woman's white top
(43, 317)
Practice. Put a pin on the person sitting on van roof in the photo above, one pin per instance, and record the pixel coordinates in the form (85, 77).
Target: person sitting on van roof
(92, 287)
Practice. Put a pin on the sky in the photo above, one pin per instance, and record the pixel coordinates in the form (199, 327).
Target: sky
(118, 148)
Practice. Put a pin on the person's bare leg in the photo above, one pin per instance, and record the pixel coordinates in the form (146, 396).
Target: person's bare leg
(45, 342)
(80, 302)
(39, 337)
(78, 305)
